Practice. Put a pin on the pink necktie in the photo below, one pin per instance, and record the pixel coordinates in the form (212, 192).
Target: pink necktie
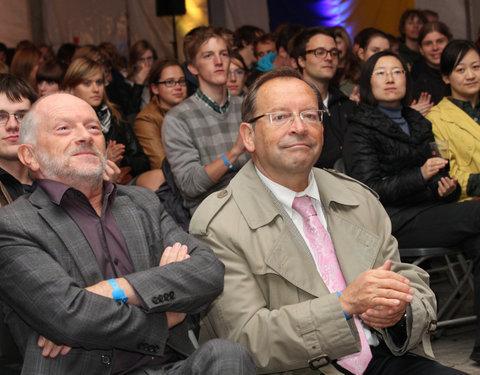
(332, 275)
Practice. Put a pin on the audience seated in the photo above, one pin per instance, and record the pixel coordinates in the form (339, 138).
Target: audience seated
(457, 117)
(16, 97)
(432, 39)
(372, 42)
(237, 75)
(168, 86)
(244, 39)
(387, 148)
(294, 289)
(25, 64)
(347, 71)
(264, 45)
(411, 21)
(200, 135)
(88, 253)
(65, 53)
(49, 77)
(317, 57)
(283, 35)
(46, 53)
(186, 149)
(140, 60)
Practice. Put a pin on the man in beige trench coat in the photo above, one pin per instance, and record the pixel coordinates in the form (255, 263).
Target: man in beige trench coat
(275, 301)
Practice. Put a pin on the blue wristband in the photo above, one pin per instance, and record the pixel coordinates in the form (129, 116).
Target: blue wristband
(117, 293)
(344, 313)
(227, 163)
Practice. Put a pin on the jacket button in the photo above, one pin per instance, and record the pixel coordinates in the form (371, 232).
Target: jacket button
(156, 348)
(106, 360)
(166, 296)
(160, 298)
(155, 300)
(222, 194)
(172, 295)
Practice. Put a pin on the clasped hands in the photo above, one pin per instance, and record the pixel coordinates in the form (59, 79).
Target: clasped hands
(432, 166)
(379, 296)
(175, 253)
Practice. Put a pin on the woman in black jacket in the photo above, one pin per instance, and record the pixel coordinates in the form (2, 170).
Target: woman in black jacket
(387, 147)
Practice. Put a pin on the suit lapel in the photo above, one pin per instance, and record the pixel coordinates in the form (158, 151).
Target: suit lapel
(289, 259)
(69, 233)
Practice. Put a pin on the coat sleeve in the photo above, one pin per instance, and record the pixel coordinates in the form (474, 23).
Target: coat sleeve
(196, 281)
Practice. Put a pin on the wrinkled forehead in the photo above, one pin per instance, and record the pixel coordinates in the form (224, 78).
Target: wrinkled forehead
(64, 106)
(282, 93)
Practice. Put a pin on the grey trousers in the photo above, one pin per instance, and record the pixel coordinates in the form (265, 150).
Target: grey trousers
(215, 357)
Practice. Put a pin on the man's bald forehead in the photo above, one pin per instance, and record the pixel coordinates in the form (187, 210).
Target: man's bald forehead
(266, 89)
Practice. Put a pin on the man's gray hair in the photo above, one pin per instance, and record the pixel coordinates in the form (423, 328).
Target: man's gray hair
(28, 128)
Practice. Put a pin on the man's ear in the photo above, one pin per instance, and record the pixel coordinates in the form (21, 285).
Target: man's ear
(301, 62)
(248, 136)
(27, 157)
(192, 69)
(445, 79)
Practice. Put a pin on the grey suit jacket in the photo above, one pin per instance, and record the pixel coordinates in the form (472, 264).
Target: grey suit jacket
(45, 264)
(274, 301)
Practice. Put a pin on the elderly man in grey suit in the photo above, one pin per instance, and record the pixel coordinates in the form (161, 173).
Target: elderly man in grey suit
(97, 279)
(313, 279)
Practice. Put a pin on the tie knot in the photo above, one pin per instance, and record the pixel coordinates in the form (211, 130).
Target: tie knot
(303, 205)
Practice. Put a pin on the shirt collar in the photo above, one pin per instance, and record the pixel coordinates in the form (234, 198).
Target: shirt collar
(464, 104)
(286, 196)
(212, 103)
(56, 190)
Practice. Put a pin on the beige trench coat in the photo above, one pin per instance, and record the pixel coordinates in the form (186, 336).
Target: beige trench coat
(274, 301)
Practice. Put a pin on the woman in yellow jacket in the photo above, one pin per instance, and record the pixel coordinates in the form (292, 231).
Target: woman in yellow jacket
(457, 118)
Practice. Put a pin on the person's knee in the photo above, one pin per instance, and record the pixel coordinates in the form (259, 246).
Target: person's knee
(228, 355)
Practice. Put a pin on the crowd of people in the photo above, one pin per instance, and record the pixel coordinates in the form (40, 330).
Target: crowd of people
(144, 194)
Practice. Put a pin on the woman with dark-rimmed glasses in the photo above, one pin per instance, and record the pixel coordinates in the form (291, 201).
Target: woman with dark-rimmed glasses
(168, 88)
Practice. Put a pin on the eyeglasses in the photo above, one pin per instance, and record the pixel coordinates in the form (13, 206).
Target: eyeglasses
(237, 73)
(145, 59)
(322, 52)
(383, 73)
(171, 82)
(4, 116)
(309, 117)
